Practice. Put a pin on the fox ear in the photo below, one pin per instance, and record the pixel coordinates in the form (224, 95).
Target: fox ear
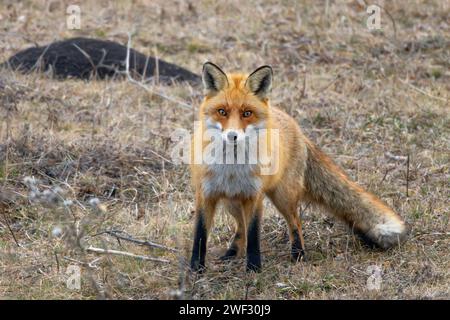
(259, 82)
(214, 79)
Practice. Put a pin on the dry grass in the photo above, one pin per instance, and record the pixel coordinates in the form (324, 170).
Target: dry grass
(366, 94)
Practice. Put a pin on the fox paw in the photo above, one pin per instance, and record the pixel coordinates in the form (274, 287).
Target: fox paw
(230, 254)
(297, 255)
(254, 263)
(198, 267)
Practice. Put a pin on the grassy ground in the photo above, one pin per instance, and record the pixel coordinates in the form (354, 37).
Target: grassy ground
(368, 98)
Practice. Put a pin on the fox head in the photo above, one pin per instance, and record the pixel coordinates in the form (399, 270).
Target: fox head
(235, 103)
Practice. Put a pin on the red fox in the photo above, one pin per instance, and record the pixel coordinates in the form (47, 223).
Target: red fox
(235, 104)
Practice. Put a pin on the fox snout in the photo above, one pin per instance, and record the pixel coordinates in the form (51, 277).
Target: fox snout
(233, 136)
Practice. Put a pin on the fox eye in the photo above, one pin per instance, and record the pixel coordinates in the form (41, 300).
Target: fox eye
(222, 112)
(247, 114)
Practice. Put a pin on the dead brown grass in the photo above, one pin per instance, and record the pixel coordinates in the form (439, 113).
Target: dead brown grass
(359, 94)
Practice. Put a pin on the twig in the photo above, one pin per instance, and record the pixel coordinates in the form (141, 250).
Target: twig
(394, 157)
(74, 260)
(386, 173)
(303, 95)
(130, 78)
(247, 289)
(39, 60)
(57, 260)
(89, 267)
(407, 175)
(338, 77)
(423, 91)
(140, 242)
(87, 56)
(158, 155)
(125, 254)
(9, 227)
(419, 235)
(393, 22)
(156, 75)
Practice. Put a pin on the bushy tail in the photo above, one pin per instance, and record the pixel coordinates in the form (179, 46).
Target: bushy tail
(368, 216)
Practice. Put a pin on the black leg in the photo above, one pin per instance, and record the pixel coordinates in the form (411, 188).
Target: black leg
(297, 251)
(199, 247)
(253, 249)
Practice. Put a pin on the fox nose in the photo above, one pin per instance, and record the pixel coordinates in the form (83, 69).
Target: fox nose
(232, 136)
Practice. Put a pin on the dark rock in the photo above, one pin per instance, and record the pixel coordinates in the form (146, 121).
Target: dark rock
(92, 58)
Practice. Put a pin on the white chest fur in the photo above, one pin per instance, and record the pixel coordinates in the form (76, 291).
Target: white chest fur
(231, 180)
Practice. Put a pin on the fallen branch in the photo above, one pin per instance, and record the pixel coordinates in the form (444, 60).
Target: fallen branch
(85, 264)
(119, 235)
(423, 91)
(395, 157)
(125, 254)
